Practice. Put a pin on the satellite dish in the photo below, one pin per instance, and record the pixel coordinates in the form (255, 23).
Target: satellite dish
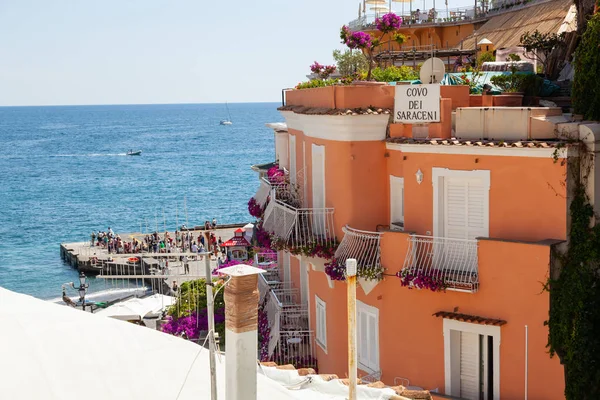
(432, 71)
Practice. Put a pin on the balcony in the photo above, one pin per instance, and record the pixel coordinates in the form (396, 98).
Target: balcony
(298, 227)
(289, 339)
(452, 263)
(425, 18)
(365, 247)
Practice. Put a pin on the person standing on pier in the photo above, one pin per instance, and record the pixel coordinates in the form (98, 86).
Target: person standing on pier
(186, 265)
(93, 238)
(214, 223)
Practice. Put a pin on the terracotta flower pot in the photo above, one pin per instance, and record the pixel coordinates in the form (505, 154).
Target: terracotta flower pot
(368, 83)
(508, 100)
(475, 100)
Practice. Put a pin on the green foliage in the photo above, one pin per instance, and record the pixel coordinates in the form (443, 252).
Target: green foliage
(394, 74)
(541, 45)
(532, 85)
(586, 86)
(350, 61)
(574, 320)
(315, 83)
(486, 56)
(192, 297)
(513, 57)
(509, 83)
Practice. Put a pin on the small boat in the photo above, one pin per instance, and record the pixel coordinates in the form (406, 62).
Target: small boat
(134, 153)
(228, 120)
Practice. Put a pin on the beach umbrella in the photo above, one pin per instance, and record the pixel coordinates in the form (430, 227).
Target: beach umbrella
(379, 9)
(375, 2)
(402, 1)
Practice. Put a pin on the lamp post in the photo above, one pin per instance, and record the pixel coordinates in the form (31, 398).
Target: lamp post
(82, 289)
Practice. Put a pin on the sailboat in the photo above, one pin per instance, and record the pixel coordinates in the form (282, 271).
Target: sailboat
(228, 120)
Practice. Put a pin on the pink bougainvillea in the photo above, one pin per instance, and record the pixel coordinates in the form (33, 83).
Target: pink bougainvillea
(432, 280)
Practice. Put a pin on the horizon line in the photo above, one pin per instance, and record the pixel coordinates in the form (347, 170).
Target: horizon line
(134, 104)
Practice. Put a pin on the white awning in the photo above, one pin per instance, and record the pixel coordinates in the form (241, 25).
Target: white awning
(136, 309)
(55, 352)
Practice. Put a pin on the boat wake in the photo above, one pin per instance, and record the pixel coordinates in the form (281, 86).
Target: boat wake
(91, 155)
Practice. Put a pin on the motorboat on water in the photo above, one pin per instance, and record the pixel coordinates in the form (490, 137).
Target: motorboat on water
(134, 153)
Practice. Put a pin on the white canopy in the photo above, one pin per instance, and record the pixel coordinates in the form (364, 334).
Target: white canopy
(136, 309)
(54, 352)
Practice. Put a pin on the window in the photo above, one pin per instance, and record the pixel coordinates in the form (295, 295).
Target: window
(292, 159)
(318, 188)
(461, 203)
(472, 360)
(367, 337)
(396, 203)
(321, 317)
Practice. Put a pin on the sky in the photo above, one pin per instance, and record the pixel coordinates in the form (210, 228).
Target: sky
(72, 52)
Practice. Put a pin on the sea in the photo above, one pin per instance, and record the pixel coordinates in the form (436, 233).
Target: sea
(64, 173)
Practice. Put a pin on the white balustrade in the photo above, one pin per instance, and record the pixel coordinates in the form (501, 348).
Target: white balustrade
(299, 227)
(364, 246)
(453, 260)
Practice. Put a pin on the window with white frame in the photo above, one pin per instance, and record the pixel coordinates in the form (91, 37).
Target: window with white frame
(367, 335)
(396, 203)
(321, 317)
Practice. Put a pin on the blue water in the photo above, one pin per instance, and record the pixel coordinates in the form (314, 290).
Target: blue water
(64, 173)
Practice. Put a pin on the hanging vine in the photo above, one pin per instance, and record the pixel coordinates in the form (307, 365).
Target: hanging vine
(574, 321)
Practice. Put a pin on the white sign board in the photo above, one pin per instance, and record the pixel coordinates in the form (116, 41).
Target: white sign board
(417, 104)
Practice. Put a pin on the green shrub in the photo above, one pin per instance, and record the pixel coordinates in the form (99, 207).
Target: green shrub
(394, 74)
(486, 56)
(586, 85)
(315, 83)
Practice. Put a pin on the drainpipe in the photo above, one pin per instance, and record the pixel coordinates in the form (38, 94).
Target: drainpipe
(526, 359)
(351, 282)
(241, 316)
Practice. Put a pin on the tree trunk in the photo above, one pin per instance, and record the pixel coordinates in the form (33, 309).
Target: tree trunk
(585, 8)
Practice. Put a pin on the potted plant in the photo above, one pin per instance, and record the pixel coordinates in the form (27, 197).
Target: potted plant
(511, 84)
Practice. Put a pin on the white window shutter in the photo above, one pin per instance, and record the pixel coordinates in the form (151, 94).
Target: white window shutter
(292, 145)
(469, 365)
(321, 319)
(455, 208)
(373, 339)
(396, 200)
(466, 208)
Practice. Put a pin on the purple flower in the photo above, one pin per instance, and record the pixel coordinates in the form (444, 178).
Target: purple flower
(254, 208)
(359, 40)
(388, 23)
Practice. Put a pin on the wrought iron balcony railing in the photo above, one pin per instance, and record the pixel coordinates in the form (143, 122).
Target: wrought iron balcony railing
(299, 227)
(364, 246)
(453, 261)
(290, 340)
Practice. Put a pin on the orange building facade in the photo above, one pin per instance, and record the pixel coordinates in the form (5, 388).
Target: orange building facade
(479, 214)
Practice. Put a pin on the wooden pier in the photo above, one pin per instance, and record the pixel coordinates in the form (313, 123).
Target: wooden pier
(95, 260)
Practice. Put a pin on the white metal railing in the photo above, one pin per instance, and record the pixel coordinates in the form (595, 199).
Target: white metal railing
(296, 348)
(262, 194)
(290, 342)
(299, 226)
(364, 246)
(443, 15)
(453, 260)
